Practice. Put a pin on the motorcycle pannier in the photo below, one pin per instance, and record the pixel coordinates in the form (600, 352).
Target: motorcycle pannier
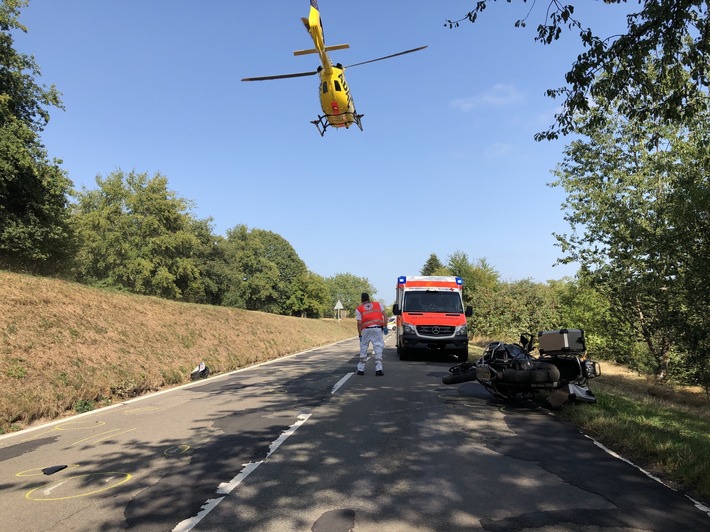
(561, 341)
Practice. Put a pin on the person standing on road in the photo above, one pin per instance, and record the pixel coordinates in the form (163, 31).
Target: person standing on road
(371, 321)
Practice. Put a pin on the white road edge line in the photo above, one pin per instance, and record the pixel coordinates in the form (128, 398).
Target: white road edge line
(225, 489)
(700, 506)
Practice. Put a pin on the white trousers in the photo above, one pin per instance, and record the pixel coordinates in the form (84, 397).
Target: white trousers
(374, 336)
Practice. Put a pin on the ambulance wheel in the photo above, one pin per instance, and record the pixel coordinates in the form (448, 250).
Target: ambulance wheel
(401, 352)
(462, 355)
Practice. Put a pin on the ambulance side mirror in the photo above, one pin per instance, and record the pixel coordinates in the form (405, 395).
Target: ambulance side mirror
(469, 311)
(396, 310)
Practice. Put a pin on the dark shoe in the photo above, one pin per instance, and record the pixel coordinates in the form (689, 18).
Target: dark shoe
(379, 373)
(360, 372)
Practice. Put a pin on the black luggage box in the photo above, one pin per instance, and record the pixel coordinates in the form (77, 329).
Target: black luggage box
(561, 341)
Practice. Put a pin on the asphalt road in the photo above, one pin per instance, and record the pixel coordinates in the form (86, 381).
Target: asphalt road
(303, 444)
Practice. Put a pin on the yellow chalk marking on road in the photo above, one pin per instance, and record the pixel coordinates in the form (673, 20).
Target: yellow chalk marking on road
(177, 449)
(106, 435)
(68, 426)
(142, 410)
(105, 481)
(79, 425)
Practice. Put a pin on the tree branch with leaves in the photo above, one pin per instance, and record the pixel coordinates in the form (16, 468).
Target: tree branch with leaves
(677, 32)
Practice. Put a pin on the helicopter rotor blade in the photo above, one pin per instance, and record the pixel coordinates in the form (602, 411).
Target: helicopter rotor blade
(281, 76)
(387, 56)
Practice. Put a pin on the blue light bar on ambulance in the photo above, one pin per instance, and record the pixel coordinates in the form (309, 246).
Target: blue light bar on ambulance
(402, 279)
(459, 281)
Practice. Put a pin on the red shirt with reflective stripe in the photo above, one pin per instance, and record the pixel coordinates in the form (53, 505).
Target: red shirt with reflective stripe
(372, 315)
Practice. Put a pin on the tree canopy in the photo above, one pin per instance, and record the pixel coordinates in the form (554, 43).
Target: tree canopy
(265, 273)
(346, 288)
(637, 204)
(34, 191)
(135, 233)
(433, 266)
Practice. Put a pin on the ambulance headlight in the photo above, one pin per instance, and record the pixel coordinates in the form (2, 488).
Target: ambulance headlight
(409, 328)
(461, 330)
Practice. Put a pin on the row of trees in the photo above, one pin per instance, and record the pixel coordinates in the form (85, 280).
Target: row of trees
(132, 232)
(505, 309)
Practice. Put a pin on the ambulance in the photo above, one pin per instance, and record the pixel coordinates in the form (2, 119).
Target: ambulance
(430, 315)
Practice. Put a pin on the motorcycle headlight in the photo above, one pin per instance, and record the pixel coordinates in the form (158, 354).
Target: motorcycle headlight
(461, 330)
(409, 328)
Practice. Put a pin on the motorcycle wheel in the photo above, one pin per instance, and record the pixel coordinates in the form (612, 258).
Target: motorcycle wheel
(463, 376)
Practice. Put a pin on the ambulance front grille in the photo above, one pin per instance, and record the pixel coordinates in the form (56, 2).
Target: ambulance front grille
(435, 330)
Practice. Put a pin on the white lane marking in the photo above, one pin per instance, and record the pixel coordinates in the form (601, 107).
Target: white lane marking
(189, 524)
(225, 489)
(341, 382)
(48, 491)
(301, 420)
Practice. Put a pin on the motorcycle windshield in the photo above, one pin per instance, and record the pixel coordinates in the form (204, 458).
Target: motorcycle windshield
(446, 302)
(516, 352)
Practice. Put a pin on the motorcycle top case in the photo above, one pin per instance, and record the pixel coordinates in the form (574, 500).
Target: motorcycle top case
(561, 341)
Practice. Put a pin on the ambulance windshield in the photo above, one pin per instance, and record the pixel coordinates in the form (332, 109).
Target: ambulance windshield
(432, 302)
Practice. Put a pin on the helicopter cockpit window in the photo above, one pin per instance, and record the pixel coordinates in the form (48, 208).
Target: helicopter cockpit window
(325, 87)
(337, 85)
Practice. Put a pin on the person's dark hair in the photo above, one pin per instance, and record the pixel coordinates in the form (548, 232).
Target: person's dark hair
(364, 297)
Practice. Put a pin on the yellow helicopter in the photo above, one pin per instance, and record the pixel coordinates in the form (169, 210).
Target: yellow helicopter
(335, 98)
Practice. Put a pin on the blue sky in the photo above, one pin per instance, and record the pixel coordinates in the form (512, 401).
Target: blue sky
(446, 161)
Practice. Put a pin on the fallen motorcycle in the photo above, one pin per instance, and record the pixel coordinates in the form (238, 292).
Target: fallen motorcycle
(510, 371)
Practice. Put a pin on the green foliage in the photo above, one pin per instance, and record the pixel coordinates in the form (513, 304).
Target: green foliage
(480, 286)
(136, 234)
(16, 371)
(638, 210)
(674, 30)
(310, 297)
(253, 280)
(34, 234)
(83, 406)
(433, 266)
(291, 270)
(347, 288)
(21, 98)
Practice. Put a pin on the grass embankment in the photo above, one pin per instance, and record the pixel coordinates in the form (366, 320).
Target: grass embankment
(664, 429)
(67, 348)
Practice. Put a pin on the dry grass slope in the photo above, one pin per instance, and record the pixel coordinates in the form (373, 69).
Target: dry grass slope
(65, 344)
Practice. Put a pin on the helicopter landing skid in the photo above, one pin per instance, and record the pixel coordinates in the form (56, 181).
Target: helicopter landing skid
(322, 123)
